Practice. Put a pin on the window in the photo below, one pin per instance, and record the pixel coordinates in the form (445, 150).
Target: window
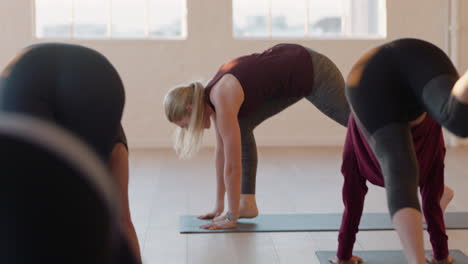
(309, 18)
(116, 19)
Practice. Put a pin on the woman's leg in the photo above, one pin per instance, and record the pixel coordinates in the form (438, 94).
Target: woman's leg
(436, 83)
(379, 102)
(393, 147)
(248, 206)
(328, 93)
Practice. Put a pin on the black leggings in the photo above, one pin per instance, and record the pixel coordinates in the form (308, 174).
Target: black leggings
(72, 86)
(392, 85)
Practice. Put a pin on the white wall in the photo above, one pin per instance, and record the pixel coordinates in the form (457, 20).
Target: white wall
(150, 68)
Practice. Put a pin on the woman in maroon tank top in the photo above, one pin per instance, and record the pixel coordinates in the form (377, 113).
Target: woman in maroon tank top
(245, 92)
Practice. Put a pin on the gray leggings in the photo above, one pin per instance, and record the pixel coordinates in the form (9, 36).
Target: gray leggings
(327, 95)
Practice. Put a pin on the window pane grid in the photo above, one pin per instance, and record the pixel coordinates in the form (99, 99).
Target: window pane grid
(111, 19)
(310, 18)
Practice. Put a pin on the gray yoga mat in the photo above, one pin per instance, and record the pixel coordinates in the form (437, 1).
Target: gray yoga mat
(386, 256)
(310, 222)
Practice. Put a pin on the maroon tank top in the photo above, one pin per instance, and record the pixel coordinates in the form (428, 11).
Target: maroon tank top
(284, 70)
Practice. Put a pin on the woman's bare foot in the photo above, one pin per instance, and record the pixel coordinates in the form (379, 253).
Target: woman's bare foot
(431, 260)
(248, 206)
(446, 197)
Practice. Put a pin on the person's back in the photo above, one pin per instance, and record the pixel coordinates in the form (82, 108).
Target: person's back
(285, 70)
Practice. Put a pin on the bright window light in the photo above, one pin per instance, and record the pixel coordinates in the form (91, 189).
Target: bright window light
(309, 19)
(111, 19)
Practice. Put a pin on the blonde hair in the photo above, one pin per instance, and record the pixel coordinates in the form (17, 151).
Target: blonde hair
(188, 139)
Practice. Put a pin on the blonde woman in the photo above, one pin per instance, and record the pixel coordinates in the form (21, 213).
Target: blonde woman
(245, 92)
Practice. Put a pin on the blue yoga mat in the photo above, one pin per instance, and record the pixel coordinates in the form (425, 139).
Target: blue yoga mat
(310, 222)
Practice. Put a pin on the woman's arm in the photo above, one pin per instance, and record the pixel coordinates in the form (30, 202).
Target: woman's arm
(220, 187)
(227, 98)
(431, 192)
(353, 192)
(229, 128)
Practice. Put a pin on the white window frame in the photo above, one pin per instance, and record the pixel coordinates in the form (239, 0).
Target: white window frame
(147, 35)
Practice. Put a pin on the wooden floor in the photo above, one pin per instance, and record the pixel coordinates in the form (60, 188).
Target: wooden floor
(289, 180)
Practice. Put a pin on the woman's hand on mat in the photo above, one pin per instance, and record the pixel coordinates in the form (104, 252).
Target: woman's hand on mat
(216, 212)
(352, 260)
(220, 222)
(431, 260)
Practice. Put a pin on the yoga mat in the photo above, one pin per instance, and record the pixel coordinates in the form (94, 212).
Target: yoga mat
(386, 256)
(310, 222)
